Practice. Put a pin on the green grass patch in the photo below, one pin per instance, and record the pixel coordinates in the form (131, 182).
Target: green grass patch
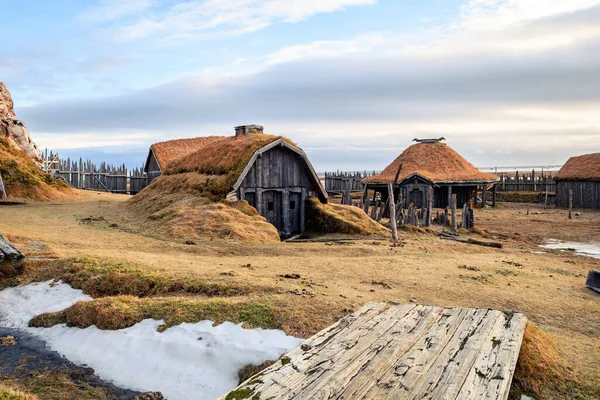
(100, 278)
(124, 311)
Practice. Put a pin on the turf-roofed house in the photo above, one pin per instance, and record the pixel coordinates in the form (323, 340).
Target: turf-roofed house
(580, 174)
(270, 172)
(430, 168)
(161, 154)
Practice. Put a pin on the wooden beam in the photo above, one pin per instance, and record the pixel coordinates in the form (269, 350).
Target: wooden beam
(392, 212)
(570, 203)
(453, 205)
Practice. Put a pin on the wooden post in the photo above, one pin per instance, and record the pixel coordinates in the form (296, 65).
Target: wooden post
(363, 198)
(495, 194)
(546, 197)
(454, 212)
(349, 191)
(570, 203)
(374, 210)
(383, 209)
(449, 196)
(393, 212)
(400, 209)
(484, 196)
(429, 206)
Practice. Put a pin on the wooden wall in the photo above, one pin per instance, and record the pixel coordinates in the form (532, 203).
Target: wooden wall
(153, 170)
(277, 185)
(586, 194)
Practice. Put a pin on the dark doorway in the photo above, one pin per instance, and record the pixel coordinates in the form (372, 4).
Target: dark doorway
(415, 196)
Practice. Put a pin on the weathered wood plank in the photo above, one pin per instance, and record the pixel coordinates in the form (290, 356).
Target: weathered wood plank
(400, 352)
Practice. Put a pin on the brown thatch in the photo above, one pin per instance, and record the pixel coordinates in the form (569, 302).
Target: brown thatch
(171, 150)
(581, 168)
(181, 206)
(434, 161)
(224, 159)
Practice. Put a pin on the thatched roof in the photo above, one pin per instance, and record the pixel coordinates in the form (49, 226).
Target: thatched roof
(227, 159)
(436, 162)
(172, 150)
(585, 167)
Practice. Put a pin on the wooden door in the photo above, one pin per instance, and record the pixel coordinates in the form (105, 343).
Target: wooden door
(271, 208)
(295, 207)
(416, 197)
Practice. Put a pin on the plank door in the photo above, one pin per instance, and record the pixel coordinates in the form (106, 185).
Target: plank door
(415, 196)
(271, 208)
(295, 206)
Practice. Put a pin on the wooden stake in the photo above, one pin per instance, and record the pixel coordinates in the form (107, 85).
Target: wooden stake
(363, 198)
(393, 212)
(570, 203)
(453, 212)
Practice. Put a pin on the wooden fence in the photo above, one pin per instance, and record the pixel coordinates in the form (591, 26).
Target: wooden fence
(337, 182)
(526, 182)
(87, 175)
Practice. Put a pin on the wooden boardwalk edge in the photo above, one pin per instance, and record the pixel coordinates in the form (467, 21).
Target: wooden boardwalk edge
(401, 351)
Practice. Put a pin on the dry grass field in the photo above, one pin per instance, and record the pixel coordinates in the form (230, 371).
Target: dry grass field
(304, 287)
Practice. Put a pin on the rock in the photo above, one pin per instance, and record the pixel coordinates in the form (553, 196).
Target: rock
(9, 253)
(525, 397)
(12, 130)
(6, 104)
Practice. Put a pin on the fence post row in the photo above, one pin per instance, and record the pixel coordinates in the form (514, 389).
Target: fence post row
(88, 175)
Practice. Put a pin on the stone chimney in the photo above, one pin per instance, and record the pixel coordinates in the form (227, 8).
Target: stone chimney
(248, 130)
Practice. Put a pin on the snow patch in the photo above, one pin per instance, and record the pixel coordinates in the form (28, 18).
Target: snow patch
(584, 249)
(198, 361)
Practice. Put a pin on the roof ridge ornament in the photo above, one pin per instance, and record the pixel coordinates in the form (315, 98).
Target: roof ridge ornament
(428, 140)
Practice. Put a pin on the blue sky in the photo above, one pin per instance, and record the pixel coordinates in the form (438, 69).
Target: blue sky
(507, 82)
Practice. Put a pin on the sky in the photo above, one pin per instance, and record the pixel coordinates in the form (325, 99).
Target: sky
(352, 82)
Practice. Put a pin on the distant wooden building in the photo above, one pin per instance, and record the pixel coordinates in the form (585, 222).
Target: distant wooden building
(270, 172)
(430, 168)
(580, 174)
(163, 153)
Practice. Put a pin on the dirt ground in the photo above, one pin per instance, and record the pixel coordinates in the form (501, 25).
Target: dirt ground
(334, 279)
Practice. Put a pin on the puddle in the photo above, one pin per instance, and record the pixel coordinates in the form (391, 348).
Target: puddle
(185, 361)
(585, 249)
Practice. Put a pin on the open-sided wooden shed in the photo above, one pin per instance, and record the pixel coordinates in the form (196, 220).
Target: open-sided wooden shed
(430, 168)
(270, 172)
(581, 175)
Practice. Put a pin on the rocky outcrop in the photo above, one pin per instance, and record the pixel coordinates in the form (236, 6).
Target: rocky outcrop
(13, 130)
(6, 104)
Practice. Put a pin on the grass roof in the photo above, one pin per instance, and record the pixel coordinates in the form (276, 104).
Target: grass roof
(171, 150)
(224, 159)
(434, 161)
(585, 167)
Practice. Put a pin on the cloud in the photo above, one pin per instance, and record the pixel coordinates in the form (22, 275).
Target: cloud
(193, 19)
(111, 10)
(499, 92)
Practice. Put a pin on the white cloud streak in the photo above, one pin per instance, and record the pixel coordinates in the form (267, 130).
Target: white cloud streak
(193, 19)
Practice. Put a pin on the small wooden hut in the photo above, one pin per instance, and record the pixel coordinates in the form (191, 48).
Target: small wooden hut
(581, 174)
(430, 168)
(270, 172)
(161, 154)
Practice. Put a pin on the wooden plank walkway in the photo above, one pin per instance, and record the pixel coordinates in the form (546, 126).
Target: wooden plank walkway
(399, 351)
